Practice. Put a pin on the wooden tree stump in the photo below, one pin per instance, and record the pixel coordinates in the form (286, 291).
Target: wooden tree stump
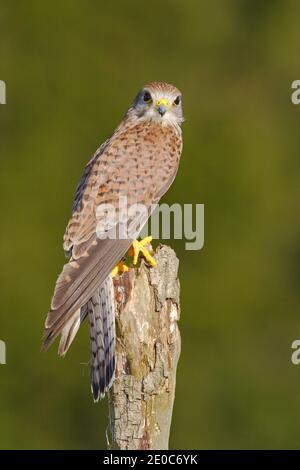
(147, 352)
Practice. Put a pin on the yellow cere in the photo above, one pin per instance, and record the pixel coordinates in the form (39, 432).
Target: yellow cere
(162, 101)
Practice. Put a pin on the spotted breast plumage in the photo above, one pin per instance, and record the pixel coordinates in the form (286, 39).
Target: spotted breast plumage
(139, 162)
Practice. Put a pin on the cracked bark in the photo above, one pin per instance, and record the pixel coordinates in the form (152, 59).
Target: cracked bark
(147, 352)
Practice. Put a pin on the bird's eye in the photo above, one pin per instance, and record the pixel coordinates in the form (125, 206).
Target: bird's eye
(177, 101)
(147, 97)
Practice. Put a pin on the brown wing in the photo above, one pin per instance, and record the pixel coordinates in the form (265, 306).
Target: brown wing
(91, 259)
(137, 163)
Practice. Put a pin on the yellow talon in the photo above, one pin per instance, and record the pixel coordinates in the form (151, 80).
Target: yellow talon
(119, 269)
(138, 247)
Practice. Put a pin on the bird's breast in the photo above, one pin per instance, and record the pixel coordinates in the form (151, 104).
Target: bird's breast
(140, 161)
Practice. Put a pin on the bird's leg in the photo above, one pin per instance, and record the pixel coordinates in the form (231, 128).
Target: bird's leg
(138, 247)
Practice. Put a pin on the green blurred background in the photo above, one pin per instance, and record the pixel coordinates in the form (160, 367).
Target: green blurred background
(71, 69)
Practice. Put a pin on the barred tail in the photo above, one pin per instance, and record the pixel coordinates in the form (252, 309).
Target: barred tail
(101, 311)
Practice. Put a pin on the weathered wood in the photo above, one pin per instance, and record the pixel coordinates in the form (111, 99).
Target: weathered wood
(147, 352)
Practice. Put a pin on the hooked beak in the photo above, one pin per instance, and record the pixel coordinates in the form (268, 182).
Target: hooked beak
(162, 106)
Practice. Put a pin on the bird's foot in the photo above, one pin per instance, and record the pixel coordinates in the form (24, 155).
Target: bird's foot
(138, 247)
(119, 269)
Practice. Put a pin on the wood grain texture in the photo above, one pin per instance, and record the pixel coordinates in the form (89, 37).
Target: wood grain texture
(147, 352)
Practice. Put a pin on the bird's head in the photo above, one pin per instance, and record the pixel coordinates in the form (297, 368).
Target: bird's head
(160, 102)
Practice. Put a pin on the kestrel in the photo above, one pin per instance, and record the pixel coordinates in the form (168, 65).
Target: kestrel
(139, 161)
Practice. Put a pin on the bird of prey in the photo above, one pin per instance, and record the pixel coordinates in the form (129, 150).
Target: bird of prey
(139, 161)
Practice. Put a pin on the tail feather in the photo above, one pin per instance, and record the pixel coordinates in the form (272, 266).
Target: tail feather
(70, 329)
(101, 311)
